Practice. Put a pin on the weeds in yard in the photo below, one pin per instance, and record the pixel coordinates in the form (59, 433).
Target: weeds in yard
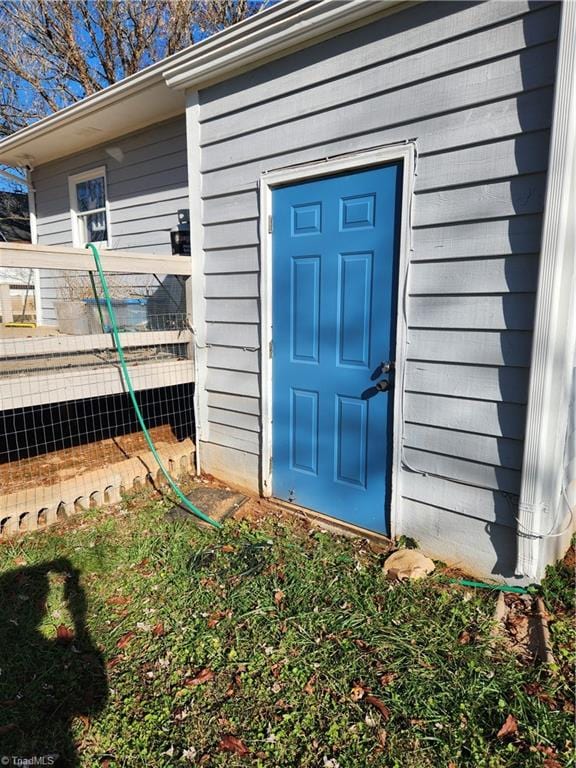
(267, 644)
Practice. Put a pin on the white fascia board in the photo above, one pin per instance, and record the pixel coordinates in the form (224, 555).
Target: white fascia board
(268, 38)
(541, 499)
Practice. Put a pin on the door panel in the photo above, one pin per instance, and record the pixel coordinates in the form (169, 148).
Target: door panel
(334, 303)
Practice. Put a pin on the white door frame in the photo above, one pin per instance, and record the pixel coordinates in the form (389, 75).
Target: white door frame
(405, 152)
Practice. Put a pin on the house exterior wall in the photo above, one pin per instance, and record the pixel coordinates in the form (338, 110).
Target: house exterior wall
(472, 84)
(147, 184)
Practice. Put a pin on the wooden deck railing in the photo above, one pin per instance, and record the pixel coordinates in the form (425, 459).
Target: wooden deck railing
(28, 256)
(45, 369)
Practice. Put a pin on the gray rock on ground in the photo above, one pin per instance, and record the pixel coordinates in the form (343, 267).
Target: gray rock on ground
(408, 564)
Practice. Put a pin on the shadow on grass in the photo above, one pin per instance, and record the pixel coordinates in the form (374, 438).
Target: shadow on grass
(49, 675)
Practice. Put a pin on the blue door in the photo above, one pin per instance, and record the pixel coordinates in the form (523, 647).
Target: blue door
(334, 303)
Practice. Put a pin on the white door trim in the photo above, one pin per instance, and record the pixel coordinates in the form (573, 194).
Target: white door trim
(405, 152)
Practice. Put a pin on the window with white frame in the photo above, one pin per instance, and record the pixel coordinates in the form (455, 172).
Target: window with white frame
(89, 208)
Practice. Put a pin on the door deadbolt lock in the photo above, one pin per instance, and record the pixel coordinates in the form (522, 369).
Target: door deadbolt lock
(387, 366)
(383, 385)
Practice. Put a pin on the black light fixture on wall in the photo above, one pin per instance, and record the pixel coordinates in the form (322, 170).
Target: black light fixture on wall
(180, 235)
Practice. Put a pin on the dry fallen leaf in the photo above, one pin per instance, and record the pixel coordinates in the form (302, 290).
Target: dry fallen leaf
(85, 721)
(550, 752)
(204, 676)
(234, 685)
(125, 640)
(387, 678)
(309, 687)
(64, 634)
(278, 596)
(118, 600)
(535, 689)
(380, 706)
(158, 630)
(180, 714)
(357, 693)
(382, 736)
(228, 548)
(510, 728)
(215, 618)
(464, 637)
(231, 743)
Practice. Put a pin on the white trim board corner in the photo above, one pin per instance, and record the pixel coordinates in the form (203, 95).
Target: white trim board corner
(404, 152)
(548, 395)
(198, 302)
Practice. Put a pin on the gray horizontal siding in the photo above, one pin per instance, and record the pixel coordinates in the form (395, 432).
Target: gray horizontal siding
(484, 449)
(472, 84)
(147, 185)
(480, 382)
(472, 276)
(458, 538)
(459, 128)
(459, 63)
(376, 45)
(501, 348)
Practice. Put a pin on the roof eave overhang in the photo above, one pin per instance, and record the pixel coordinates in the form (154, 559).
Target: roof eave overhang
(272, 38)
(157, 92)
(115, 111)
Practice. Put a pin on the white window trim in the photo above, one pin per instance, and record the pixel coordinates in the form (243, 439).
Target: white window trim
(73, 181)
(405, 152)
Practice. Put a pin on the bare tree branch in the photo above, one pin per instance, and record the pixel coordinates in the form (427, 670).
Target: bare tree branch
(55, 52)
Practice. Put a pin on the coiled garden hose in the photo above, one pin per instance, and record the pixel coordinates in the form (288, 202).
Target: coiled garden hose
(128, 382)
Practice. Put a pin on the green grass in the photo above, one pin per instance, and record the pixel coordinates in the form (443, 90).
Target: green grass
(266, 632)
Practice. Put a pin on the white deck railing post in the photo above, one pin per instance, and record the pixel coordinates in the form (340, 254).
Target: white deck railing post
(6, 303)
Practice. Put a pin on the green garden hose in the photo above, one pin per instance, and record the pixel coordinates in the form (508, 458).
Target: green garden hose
(496, 587)
(126, 376)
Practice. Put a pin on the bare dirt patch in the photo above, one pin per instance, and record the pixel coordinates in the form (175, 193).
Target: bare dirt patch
(51, 468)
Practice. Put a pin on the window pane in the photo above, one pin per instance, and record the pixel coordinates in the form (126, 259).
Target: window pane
(93, 227)
(90, 194)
